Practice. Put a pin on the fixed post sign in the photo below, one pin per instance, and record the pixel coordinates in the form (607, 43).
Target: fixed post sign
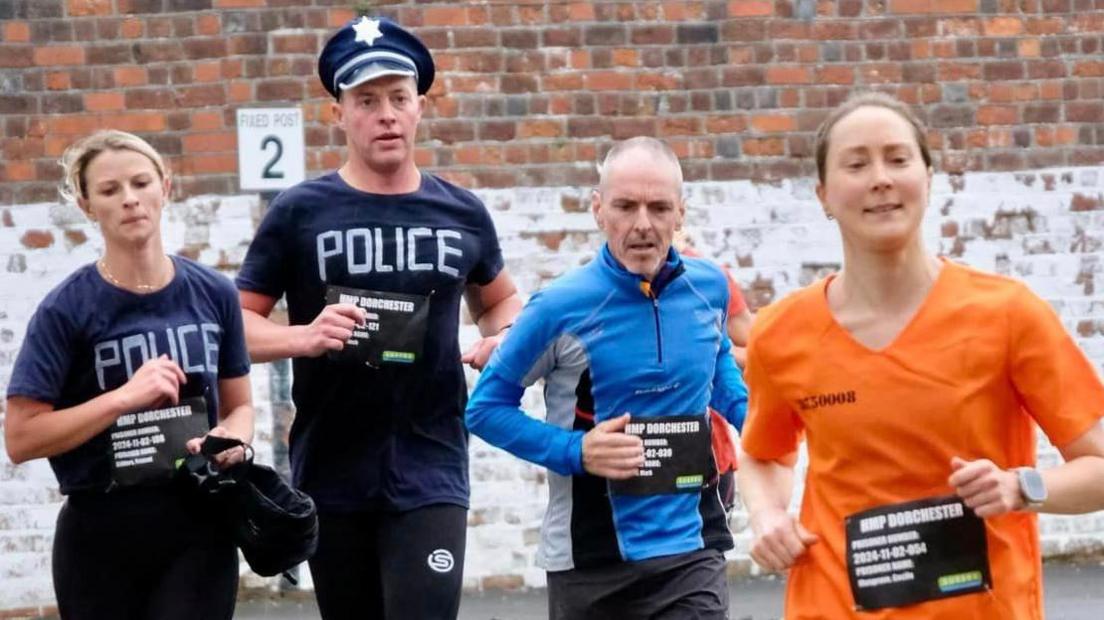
(271, 149)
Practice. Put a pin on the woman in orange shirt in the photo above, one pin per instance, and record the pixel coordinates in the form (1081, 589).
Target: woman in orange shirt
(917, 384)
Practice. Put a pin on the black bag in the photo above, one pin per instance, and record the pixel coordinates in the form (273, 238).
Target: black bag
(275, 525)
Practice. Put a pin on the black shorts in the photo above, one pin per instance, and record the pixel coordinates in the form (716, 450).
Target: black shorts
(688, 586)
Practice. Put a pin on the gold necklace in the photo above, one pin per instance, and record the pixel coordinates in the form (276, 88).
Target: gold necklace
(140, 287)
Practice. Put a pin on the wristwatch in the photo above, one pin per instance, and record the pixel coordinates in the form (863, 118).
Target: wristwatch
(1032, 488)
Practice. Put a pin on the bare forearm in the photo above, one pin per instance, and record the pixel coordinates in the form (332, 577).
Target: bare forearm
(267, 340)
(1075, 487)
(499, 316)
(239, 421)
(764, 484)
(49, 433)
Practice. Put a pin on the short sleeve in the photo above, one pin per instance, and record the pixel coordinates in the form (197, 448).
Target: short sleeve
(233, 354)
(772, 429)
(1056, 383)
(268, 261)
(736, 303)
(490, 255)
(43, 362)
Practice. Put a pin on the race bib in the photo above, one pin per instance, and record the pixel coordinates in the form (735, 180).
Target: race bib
(678, 456)
(146, 446)
(393, 332)
(907, 553)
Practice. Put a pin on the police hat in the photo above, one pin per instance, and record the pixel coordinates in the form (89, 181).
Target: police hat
(367, 48)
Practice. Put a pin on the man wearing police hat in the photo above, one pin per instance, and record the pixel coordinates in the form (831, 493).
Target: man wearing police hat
(373, 259)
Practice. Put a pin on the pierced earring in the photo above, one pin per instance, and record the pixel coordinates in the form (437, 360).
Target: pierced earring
(829, 216)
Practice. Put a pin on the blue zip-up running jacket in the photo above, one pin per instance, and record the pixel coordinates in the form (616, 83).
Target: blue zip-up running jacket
(606, 342)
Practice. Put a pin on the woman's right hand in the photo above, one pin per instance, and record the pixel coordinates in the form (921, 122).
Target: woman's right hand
(778, 540)
(157, 381)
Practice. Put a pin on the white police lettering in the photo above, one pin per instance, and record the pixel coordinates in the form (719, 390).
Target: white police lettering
(195, 347)
(365, 250)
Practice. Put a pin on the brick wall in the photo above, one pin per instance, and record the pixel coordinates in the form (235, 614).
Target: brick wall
(1043, 226)
(530, 92)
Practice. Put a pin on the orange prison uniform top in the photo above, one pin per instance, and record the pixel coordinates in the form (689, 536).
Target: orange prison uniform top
(983, 359)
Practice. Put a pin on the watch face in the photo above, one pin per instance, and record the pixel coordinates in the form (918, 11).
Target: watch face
(1031, 485)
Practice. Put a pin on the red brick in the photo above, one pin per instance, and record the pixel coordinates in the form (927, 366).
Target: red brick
(880, 73)
(206, 120)
(1003, 27)
(540, 129)
(1089, 68)
(725, 124)
(53, 55)
(764, 146)
(445, 16)
(773, 123)
(623, 57)
(138, 122)
(132, 28)
(16, 32)
(835, 74)
(1050, 90)
(680, 126)
(608, 80)
(98, 102)
(238, 4)
(933, 6)
(997, 115)
(240, 91)
(83, 8)
(37, 239)
(208, 71)
(339, 17)
(580, 11)
(211, 163)
(130, 76)
(683, 10)
(955, 71)
(220, 142)
(72, 124)
(750, 8)
(208, 24)
(1028, 48)
(295, 44)
(17, 171)
(658, 81)
(58, 80)
(788, 75)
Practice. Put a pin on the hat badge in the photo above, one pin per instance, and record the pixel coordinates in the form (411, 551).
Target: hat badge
(367, 30)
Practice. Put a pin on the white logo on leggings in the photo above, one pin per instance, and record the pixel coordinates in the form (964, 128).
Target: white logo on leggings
(440, 560)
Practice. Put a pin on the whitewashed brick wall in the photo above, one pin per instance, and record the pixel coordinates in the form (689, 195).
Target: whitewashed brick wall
(1045, 227)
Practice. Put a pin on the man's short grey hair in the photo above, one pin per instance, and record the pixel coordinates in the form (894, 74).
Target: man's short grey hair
(653, 146)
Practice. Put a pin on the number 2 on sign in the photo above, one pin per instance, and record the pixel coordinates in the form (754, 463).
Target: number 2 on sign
(269, 173)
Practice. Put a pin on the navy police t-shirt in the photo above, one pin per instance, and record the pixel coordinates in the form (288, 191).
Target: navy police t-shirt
(88, 337)
(387, 436)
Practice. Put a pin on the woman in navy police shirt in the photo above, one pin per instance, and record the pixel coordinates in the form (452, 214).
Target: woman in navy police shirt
(126, 366)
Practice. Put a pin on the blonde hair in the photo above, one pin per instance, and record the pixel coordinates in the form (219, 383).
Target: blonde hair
(863, 100)
(74, 162)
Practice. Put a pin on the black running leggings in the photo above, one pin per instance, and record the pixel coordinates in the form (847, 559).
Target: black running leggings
(393, 566)
(143, 554)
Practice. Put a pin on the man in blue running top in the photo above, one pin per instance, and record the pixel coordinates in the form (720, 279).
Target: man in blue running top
(374, 259)
(632, 348)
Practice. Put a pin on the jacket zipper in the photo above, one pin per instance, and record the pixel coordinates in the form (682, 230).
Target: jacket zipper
(659, 336)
